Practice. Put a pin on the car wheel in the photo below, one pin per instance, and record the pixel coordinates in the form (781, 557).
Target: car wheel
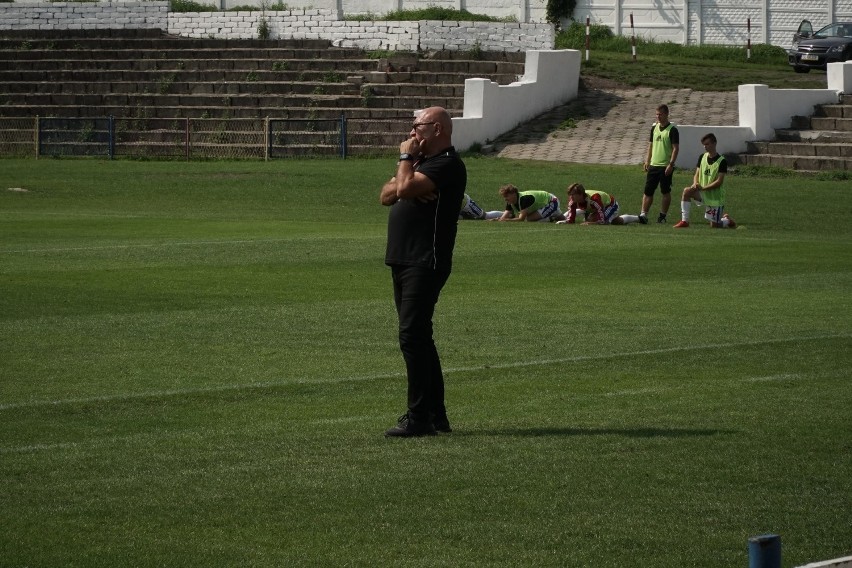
(798, 69)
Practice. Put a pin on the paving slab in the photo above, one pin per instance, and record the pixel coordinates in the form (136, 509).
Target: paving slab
(611, 125)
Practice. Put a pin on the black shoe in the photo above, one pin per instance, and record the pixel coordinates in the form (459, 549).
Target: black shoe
(643, 219)
(442, 424)
(407, 428)
(661, 218)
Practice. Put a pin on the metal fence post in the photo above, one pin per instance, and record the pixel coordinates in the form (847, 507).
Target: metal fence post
(37, 135)
(343, 135)
(268, 141)
(111, 137)
(186, 137)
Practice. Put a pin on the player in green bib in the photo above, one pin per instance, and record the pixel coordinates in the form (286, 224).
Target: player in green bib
(598, 207)
(707, 188)
(529, 205)
(663, 148)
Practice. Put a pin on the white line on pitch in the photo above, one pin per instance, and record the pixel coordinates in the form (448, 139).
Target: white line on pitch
(512, 365)
(183, 244)
(771, 378)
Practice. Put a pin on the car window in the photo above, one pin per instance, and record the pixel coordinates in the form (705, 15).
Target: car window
(834, 30)
(827, 31)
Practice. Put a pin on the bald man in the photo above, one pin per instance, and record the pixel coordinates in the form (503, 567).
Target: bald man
(425, 198)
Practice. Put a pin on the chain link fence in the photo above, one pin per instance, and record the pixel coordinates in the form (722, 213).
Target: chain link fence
(18, 137)
(201, 138)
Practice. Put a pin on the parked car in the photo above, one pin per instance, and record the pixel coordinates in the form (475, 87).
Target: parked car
(814, 50)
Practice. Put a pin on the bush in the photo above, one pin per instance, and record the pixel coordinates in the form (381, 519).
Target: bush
(191, 6)
(558, 10)
(574, 37)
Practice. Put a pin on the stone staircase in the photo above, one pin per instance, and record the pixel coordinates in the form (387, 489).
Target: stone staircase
(813, 143)
(149, 80)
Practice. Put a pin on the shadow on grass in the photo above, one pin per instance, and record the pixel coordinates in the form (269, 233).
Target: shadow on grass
(626, 432)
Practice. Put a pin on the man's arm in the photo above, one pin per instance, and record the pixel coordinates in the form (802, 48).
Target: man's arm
(647, 162)
(411, 184)
(720, 178)
(388, 194)
(597, 216)
(571, 217)
(673, 158)
(695, 178)
(524, 204)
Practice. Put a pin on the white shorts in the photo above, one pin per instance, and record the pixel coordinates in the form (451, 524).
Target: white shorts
(611, 212)
(714, 213)
(550, 210)
(471, 211)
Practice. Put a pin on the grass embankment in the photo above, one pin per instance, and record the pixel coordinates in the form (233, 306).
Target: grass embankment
(666, 65)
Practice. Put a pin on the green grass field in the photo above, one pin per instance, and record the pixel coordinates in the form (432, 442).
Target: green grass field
(199, 359)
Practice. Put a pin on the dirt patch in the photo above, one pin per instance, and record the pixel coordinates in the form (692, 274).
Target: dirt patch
(591, 83)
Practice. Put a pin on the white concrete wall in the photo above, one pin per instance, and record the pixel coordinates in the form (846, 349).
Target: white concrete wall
(551, 78)
(529, 11)
(489, 36)
(679, 21)
(119, 14)
(731, 140)
(839, 76)
(761, 111)
(366, 34)
(723, 22)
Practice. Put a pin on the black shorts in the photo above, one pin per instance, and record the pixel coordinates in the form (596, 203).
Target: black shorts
(657, 177)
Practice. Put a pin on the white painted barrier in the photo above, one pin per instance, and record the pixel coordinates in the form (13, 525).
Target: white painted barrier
(551, 78)
(761, 111)
(839, 77)
(845, 562)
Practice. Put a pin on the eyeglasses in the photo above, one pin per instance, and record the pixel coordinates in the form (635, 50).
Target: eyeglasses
(418, 124)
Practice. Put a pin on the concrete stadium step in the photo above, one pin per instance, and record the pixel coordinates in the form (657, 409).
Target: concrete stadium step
(167, 86)
(800, 163)
(837, 149)
(822, 123)
(266, 54)
(140, 39)
(261, 69)
(147, 77)
(258, 102)
(175, 133)
(189, 64)
(222, 112)
(57, 78)
(813, 136)
(819, 142)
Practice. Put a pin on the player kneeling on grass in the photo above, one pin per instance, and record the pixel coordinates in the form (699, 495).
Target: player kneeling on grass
(707, 188)
(599, 208)
(471, 210)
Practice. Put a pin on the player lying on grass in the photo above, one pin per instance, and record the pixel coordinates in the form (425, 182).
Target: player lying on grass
(471, 210)
(598, 208)
(529, 205)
